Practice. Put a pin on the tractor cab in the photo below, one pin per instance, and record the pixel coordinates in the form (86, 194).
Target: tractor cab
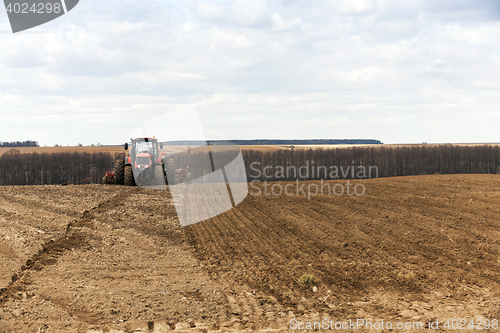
(144, 153)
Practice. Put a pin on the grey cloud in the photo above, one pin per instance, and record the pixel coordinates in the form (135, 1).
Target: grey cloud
(464, 10)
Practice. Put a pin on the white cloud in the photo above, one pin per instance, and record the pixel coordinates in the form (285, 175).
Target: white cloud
(209, 11)
(251, 13)
(355, 7)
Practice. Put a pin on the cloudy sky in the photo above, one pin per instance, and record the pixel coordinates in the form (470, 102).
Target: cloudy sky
(399, 71)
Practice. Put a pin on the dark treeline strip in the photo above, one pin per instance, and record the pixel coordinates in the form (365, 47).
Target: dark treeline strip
(276, 142)
(55, 168)
(388, 162)
(28, 143)
(300, 142)
(75, 168)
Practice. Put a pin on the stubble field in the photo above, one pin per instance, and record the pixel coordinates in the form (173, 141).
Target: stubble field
(182, 149)
(103, 258)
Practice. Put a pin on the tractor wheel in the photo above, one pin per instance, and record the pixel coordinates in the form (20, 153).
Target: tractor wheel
(128, 176)
(159, 175)
(119, 172)
(170, 171)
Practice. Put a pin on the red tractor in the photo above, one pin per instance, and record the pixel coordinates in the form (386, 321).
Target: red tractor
(144, 164)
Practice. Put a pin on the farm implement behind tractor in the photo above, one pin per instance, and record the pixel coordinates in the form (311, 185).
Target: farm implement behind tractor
(183, 175)
(109, 178)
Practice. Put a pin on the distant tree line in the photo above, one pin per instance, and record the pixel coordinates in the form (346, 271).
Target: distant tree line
(275, 142)
(27, 143)
(82, 167)
(301, 142)
(55, 168)
(380, 161)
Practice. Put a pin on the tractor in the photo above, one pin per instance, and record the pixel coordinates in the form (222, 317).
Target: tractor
(144, 164)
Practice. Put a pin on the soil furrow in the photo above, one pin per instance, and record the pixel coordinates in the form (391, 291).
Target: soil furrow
(53, 249)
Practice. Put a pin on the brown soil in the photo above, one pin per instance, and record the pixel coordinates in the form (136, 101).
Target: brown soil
(104, 258)
(119, 149)
(69, 149)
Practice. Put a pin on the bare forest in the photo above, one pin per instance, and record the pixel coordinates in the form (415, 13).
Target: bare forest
(83, 167)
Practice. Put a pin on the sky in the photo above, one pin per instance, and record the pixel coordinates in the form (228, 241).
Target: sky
(399, 71)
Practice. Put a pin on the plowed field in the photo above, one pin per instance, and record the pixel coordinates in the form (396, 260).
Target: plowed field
(104, 258)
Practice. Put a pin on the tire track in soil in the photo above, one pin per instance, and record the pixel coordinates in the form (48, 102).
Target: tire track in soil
(53, 249)
(6, 251)
(39, 205)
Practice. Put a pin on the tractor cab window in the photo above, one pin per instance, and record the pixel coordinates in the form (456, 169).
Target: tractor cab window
(144, 147)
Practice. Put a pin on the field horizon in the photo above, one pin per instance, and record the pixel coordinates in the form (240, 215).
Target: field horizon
(180, 148)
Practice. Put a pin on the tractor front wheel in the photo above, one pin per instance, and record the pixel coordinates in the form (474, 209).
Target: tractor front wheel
(129, 176)
(159, 175)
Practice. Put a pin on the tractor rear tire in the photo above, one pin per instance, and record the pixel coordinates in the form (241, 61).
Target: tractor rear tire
(170, 171)
(128, 176)
(119, 172)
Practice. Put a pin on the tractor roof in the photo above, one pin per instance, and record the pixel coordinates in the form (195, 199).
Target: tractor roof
(145, 139)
